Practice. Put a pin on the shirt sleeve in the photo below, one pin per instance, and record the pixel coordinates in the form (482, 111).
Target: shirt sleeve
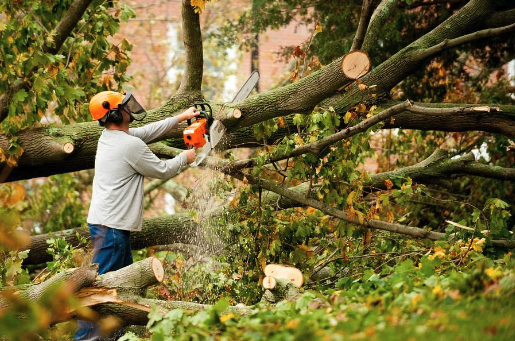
(149, 165)
(155, 130)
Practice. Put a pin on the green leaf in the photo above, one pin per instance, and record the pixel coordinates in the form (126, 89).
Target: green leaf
(20, 96)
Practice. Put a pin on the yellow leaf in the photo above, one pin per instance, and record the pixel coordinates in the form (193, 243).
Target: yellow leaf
(347, 117)
(350, 198)
(318, 28)
(199, 4)
(439, 252)
(438, 291)
(225, 318)
(361, 217)
(493, 273)
(477, 244)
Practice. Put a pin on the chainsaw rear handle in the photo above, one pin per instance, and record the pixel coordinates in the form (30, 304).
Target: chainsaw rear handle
(204, 113)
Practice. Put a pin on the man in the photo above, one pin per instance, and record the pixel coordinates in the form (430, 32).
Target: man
(122, 161)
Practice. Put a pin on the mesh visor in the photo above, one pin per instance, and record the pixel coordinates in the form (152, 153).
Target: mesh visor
(132, 107)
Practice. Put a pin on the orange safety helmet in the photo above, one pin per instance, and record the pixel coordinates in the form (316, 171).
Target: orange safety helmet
(104, 101)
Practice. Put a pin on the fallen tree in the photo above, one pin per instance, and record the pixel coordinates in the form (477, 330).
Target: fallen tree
(118, 293)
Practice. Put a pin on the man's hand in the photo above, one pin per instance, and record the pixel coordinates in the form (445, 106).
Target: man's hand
(188, 114)
(190, 154)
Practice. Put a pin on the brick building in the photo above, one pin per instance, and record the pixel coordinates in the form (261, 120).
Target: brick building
(157, 57)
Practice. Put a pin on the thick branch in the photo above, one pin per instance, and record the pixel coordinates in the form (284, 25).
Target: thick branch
(367, 9)
(332, 211)
(377, 21)
(177, 228)
(317, 147)
(450, 43)
(192, 80)
(439, 116)
(301, 96)
(440, 166)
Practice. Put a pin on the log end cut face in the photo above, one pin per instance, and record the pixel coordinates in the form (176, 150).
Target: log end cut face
(355, 64)
(158, 269)
(284, 272)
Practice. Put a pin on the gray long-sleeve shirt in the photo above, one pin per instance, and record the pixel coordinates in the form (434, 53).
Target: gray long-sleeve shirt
(121, 163)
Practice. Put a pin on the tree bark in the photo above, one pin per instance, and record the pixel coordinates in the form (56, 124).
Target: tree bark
(177, 228)
(117, 293)
(282, 289)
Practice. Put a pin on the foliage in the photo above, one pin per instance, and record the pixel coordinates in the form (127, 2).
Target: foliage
(87, 62)
(436, 298)
(65, 255)
(56, 204)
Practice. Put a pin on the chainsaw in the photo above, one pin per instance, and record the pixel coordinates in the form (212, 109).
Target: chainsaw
(204, 132)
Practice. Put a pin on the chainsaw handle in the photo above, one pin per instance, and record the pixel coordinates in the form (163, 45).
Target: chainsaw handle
(202, 114)
(206, 113)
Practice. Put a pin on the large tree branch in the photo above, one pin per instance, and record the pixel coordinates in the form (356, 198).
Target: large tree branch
(192, 80)
(450, 43)
(60, 33)
(392, 71)
(332, 211)
(441, 166)
(382, 13)
(367, 9)
(318, 146)
(437, 117)
(177, 228)
(301, 96)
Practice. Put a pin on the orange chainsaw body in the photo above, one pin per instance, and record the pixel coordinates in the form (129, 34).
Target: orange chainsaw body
(194, 134)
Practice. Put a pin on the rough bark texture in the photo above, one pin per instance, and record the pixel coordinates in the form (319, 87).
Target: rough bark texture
(283, 290)
(192, 80)
(118, 293)
(177, 228)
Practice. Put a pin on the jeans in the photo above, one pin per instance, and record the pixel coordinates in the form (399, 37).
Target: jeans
(112, 251)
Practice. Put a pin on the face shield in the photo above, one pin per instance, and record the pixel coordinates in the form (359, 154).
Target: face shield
(132, 107)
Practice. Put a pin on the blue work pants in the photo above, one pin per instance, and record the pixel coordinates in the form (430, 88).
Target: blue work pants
(112, 251)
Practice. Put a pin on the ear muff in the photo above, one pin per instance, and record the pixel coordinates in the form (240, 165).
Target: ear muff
(114, 116)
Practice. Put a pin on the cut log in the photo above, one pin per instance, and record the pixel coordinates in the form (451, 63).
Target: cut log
(119, 293)
(269, 282)
(355, 64)
(285, 272)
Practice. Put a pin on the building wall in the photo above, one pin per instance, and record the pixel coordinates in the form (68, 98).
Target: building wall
(157, 51)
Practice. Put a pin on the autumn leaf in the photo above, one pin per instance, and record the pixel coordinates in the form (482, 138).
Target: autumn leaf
(280, 122)
(200, 5)
(298, 53)
(388, 183)
(389, 217)
(493, 273)
(225, 318)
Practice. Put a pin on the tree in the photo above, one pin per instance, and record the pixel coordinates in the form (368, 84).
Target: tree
(314, 132)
